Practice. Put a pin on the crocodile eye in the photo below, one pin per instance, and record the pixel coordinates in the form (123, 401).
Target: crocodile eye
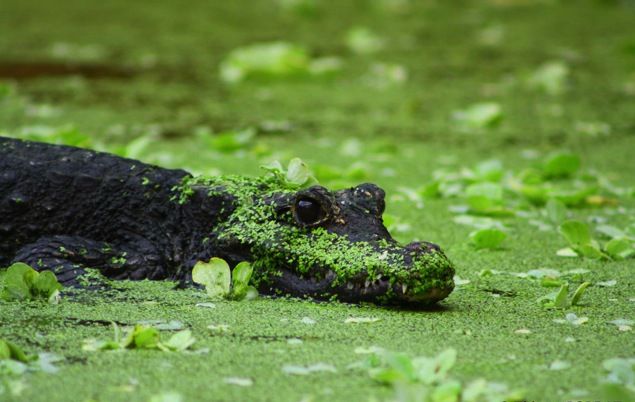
(308, 212)
(312, 206)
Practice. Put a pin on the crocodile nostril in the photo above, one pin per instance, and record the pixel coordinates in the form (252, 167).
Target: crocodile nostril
(422, 247)
(432, 246)
(370, 197)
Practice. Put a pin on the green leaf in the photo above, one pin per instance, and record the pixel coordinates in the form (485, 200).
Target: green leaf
(240, 280)
(178, 342)
(483, 196)
(479, 116)
(54, 298)
(431, 190)
(573, 319)
(566, 252)
(449, 391)
(264, 61)
(620, 249)
(534, 193)
(325, 66)
(561, 299)
(445, 361)
(561, 164)
(557, 299)
(360, 320)
(550, 77)
(591, 250)
(616, 392)
(611, 231)
(252, 293)
(383, 75)
(15, 282)
(550, 282)
(30, 276)
(489, 170)
(10, 351)
(275, 168)
(5, 352)
(142, 338)
(231, 141)
(297, 172)
(576, 233)
(487, 238)
(363, 41)
(214, 275)
(572, 197)
(92, 345)
(579, 292)
(396, 367)
(556, 211)
(21, 282)
(169, 396)
(45, 285)
(621, 370)
(306, 370)
(46, 362)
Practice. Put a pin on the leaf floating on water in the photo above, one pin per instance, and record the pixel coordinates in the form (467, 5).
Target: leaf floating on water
(361, 320)
(21, 282)
(215, 275)
(566, 252)
(240, 280)
(550, 77)
(307, 320)
(171, 325)
(239, 381)
(623, 324)
(559, 365)
(264, 60)
(362, 40)
(167, 397)
(458, 281)
(218, 328)
(479, 116)
(306, 370)
(572, 319)
(561, 165)
(142, 337)
(487, 238)
(178, 342)
(206, 305)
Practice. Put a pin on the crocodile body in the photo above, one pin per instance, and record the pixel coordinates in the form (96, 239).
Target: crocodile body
(68, 209)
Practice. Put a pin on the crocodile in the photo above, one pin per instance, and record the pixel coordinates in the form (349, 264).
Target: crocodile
(70, 210)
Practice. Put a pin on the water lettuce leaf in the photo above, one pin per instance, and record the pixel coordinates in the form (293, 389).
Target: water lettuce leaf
(21, 282)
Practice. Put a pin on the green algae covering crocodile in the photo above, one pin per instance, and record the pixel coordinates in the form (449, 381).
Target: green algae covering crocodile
(68, 209)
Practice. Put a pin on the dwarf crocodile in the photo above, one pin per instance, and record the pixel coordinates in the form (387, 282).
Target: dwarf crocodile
(68, 209)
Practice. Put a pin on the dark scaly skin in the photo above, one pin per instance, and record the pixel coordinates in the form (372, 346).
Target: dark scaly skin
(67, 209)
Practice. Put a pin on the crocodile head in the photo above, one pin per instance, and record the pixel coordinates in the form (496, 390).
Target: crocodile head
(324, 244)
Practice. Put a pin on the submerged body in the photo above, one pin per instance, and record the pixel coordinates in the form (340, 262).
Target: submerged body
(68, 209)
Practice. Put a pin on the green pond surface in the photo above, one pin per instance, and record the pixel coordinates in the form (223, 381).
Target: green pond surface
(111, 72)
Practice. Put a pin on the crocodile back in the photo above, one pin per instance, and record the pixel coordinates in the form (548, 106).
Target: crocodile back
(50, 190)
